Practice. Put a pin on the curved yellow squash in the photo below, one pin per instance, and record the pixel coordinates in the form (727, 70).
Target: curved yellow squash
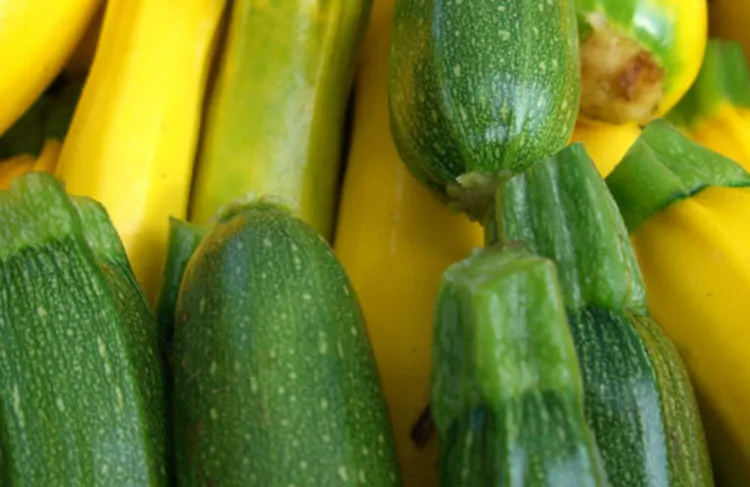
(695, 258)
(132, 140)
(36, 39)
(395, 239)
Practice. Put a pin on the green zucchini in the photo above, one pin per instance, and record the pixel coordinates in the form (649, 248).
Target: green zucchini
(638, 397)
(184, 238)
(81, 391)
(507, 397)
(479, 89)
(275, 381)
(276, 116)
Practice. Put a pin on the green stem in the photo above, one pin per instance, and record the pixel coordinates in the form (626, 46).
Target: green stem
(663, 167)
(562, 209)
(505, 365)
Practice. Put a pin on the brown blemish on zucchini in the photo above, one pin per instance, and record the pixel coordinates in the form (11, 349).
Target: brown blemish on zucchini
(620, 80)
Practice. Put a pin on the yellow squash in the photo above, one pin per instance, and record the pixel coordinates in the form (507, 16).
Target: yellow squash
(605, 143)
(638, 57)
(36, 39)
(715, 112)
(132, 140)
(395, 239)
(276, 115)
(690, 231)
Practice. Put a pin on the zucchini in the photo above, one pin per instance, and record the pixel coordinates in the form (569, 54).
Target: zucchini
(276, 116)
(507, 396)
(184, 238)
(81, 392)
(638, 57)
(638, 398)
(480, 91)
(275, 382)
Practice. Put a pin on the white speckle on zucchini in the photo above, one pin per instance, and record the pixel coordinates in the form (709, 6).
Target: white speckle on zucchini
(306, 296)
(324, 404)
(342, 469)
(457, 70)
(303, 465)
(60, 404)
(214, 414)
(17, 410)
(41, 312)
(267, 242)
(119, 398)
(212, 368)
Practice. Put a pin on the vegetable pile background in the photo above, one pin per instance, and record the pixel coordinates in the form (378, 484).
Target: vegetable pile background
(375, 243)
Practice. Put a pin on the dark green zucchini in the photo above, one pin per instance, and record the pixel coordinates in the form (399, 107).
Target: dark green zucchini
(184, 238)
(507, 396)
(479, 89)
(275, 382)
(638, 397)
(81, 392)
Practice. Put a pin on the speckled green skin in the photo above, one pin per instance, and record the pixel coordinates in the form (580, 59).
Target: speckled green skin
(275, 381)
(638, 397)
(480, 88)
(81, 394)
(507, 395)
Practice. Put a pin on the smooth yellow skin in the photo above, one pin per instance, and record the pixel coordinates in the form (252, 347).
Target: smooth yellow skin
(695, 258)
(690, 20)
(605, 143)
(728, 19)
(36, 39)
(132, 140)
(15, 166)
(726, 131)
(395, 240)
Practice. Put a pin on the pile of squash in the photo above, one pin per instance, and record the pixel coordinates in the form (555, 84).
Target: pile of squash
(375, 242)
